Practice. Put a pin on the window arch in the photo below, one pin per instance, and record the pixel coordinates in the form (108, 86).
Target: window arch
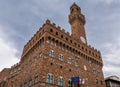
(29, 83)
(69, 83)
(76, 63)
(36, 79)
(51, 53)
(69, 61)
(49, 78)
(61, 58)
(60, 81)
(51, 30)
(25, 84)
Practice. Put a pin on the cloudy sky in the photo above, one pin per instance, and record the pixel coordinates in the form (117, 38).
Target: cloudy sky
(20, 19)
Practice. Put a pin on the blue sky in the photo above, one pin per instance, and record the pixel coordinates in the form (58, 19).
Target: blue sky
(20, 19)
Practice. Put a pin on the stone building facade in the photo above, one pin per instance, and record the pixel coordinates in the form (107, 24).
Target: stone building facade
(52, 56)
(112, 81)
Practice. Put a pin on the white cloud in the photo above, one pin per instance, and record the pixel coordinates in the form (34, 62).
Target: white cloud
(111, 57)
(7, 52)
(108, 2)
(7, 55)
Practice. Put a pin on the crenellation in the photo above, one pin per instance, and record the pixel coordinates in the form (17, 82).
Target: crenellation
(32, 40)
(68, 33)
(40, 29)
(48, 21)
(54, 25)
(63, 30)
(14, 66)
(58, 27)
(43, 25)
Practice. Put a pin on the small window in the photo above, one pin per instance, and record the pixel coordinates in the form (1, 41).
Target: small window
(61, 67)
(56, 33)
(51, 30)
(70, 70)
(89, 51)
(75, 44)
(51, 64)
(70, 41)
(66, 39)
(76, 64)
(49, 78)
(30, 83)
(96, 81)
(60, 81)
(94, 72)
(25, 84)
(61, 58)
(93, 53)
(40, 54)
(61, 36)
(51, 53)
(69, 83)
(20, 85)
(69, 61)
(36, 79)
(82, 48)
(86, 49)
(85, 68)
(101, 82)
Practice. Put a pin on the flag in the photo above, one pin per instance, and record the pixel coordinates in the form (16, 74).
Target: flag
(82, 81)
(79, 81)
(75, 79)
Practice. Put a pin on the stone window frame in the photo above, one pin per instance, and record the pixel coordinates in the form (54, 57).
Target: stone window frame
(21, 85)
(56, 33)
(61, 57)
(49, 78)
(36, 79)
(25, 84)
(96, 81)
(76, 63)
(62, 36)
(52, 53)
(40, 53)
(94, 71)
(69, 61)
(30, 83)
(69, 83)
(60, 81)
(51, 30)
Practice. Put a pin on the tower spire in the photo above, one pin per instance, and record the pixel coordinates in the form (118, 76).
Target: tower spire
(77, 22)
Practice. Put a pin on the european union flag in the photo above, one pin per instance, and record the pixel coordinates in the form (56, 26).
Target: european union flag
(74, 79)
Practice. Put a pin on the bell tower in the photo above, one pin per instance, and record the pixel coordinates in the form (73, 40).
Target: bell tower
(77, 22)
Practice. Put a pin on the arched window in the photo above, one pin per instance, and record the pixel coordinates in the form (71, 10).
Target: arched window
(76, 63)
(29, 83)
(36, 79)
(69, 61)
(25, 84)
(51, 53)
(96, 81)
(60, 81)
(61, 58)
(51, 30)
(49, 78)
(69, 83)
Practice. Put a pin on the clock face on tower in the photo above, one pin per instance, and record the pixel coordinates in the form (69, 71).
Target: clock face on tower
(82, 39)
